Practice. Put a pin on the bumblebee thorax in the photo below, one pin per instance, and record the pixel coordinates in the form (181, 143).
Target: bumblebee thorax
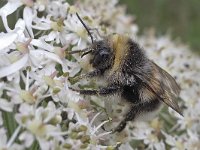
(120, 47)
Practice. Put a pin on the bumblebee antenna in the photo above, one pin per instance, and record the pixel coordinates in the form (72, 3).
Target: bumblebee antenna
(78, 51)
(88, 31)
(86, 53)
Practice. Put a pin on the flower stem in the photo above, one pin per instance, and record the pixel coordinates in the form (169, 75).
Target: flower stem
(9, 122)
(13, 137)
(34, 146)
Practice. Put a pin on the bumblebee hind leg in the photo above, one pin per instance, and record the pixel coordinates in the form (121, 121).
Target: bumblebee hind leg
(135, 110)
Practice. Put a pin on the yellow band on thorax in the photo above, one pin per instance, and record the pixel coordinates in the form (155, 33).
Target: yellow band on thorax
(120, 49)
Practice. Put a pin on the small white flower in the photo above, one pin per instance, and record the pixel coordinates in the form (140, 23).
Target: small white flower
(27, 138)
(41, 5)
(58, 9)
(77, 33)
(175, 142)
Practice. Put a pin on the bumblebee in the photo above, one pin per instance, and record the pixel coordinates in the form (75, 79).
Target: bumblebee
(129, 73)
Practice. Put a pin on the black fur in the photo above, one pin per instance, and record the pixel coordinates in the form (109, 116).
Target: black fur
(131, 94)
(102, 56)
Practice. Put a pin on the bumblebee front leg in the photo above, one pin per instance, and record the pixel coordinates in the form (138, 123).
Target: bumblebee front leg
(102, 91)
(89, 75)
(93, 73)
(135, 111)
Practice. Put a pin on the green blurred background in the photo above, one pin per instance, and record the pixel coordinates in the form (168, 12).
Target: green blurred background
(180, 18)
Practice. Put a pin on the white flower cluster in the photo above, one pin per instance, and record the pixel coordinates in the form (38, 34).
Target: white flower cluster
(39, 111)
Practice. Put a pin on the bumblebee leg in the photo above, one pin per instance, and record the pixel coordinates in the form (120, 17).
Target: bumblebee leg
(102, 91)
(89, 75)
(93, 73)
(120, 127)
(129, 116)
(136, 110)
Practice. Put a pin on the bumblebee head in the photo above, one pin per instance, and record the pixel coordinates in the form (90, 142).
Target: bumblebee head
(101, 55)
(100, 51)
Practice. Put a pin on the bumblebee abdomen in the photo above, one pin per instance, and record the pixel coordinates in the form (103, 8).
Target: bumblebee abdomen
(132, 94)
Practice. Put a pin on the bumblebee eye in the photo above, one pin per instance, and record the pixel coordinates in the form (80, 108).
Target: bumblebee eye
(104, 55)
(100, 58)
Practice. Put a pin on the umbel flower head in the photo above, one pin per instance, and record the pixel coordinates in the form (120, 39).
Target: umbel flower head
(39, 111)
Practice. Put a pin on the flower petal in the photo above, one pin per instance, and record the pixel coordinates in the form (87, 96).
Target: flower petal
(28, 18)
(20, 26)
(7, 39)
(42, 44)
(46, 54)
(10, 7)
(27, 138)
(5, 71)
(5, 105)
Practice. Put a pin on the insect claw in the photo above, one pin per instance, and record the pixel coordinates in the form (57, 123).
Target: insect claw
(102, 127)
(113, 131)
(75, 90)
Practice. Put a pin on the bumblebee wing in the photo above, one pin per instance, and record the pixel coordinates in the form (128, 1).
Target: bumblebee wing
(168, 81)
(163, 86)
(170, 99)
